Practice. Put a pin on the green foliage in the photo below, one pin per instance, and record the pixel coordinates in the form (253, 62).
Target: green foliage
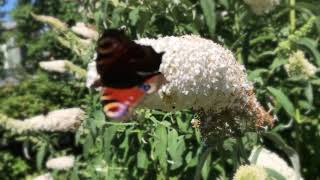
(162, 145)
(34, 37)
(39, 94)
(208, 8)
(12, 166)
(157, 145)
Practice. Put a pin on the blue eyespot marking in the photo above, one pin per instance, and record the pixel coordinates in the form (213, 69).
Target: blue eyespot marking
(145, 87)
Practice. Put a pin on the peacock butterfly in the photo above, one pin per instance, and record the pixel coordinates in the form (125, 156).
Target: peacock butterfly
(128, 71)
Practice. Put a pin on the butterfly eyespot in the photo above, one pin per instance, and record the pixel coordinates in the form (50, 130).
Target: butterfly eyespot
(146, 87)
(115, 110)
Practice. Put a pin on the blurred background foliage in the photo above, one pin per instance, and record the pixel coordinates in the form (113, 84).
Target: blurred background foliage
(158, 144)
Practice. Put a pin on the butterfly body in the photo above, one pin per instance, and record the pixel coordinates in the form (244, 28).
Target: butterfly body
(128, 71)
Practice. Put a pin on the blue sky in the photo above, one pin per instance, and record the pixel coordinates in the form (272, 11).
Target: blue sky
(7, 8)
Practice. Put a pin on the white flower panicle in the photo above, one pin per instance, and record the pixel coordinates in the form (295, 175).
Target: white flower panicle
(85, 31)
(64, 120)
(46, 176)
(271, 160)
(250, 172)
(200, 74)
(63, 66)
(58, 66)
(92, 74)
(206, 77)
(260, 7)
(298, 65)
(61, 163)
(52, 21)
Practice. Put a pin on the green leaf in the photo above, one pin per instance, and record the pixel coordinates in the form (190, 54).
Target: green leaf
(108, 135)
(315, 82)
(134, 16)
(274, 174)
(209, 11)
(262, 38)
(183, 121)
(40, 155)
(115, 2)
(225, 3)
(176, 148)
(308, 91)
(198, 135)
(254, 157)
(99, 119)
(160, 145)
(142, 160)
(283, 100)
(206, 168)
(204, 164)
(88, 144)
(183, 125)
(257, 73)
(116, 17)
(125, 145)
(303, 104)
(298, 117)
(311, 45)
(75, 173)
(277, 62)
(188, 157)
(310, 6)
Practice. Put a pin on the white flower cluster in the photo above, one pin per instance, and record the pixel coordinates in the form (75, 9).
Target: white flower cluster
(64, 120)
(85, 31)
(46, 176)
(54, 66)
(200, 73)
(55, 22)
(63, 66)
(298, 65)
(92, 74)
(251, 172)
(60, 163)
(206, 77)
(260, 7)
(271, 160)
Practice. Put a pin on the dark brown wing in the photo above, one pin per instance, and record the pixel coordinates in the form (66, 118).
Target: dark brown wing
(121, 63)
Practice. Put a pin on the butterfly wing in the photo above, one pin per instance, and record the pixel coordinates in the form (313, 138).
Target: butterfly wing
(128, 71)
(122, 63)
(119, 103)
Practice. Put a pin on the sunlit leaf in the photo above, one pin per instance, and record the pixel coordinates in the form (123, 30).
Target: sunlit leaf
(40, 155)
(209, 11)
(283, 100)
(108, 135)
(176, 148)
(160, 145)
(206, 168)
(134, 16)
(274, 174)
(308, 91)
(142, 161)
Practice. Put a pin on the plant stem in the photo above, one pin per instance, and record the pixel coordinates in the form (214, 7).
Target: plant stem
(292, 4)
